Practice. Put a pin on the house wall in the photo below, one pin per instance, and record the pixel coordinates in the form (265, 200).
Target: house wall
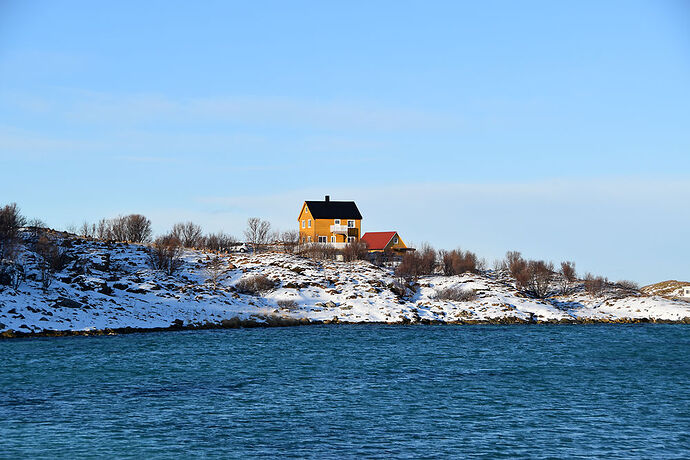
(400, 244)
(322, 227)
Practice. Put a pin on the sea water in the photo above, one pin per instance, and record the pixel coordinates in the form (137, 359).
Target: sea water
(344, 391)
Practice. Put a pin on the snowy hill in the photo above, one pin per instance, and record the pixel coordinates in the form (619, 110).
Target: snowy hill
(110, 286)
(670, 288)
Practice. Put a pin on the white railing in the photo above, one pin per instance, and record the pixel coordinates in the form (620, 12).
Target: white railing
(337, 228)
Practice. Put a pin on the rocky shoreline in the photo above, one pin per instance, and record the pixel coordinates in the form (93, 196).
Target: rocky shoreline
(237, 323)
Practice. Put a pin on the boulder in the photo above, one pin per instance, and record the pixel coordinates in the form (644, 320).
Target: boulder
(64, 302)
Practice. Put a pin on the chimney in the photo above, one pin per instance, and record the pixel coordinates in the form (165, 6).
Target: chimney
(328, 198)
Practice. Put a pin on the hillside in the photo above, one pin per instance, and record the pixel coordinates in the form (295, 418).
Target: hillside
(669, 289)
(110, 286)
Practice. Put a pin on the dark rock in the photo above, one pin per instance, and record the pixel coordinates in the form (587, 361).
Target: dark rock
(120, 286)
(66, 303)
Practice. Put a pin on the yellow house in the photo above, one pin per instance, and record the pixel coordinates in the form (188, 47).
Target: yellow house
(335, 222)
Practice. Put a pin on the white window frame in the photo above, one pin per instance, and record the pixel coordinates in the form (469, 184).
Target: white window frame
(323, 239)
(395, 240)
(309, 239)
(304, 223)
(336, 221)
(333, 239)
(351, 224)
(309, 223)
(351, 239)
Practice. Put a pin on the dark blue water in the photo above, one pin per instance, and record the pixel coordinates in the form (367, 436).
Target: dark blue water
(352, 391)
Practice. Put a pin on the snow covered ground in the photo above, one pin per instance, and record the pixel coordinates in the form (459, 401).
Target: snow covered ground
(110, 286)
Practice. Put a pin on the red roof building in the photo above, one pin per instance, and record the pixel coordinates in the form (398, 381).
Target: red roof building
(384, 241)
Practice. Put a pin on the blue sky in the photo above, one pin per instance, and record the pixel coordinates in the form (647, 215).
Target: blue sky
(560, 129)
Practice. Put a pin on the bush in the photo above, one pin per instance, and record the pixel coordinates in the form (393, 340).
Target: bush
(254, 284)
(456, 294)
(189, 234)
(11, 274)
(165, 254)
(417, 263)
(134, 227)
(288, 304)
(568, 276)
(356, 250)
(318, 251)
(594, 285)
(456, 262)
(55, 257)
(627, 285)
(11, 221)
(533, 277)
(219, 242)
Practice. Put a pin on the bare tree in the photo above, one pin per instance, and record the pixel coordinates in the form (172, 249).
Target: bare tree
(87, 230)
(104, 230)
(568, 277)
(257, 232)
(594, 285)
(137, 228)
(165, 254)
(540, 277)
(214, 269)
(118, 228)
(218, 241)
(289, 240)
(11, 221)
(457, 261)
(189, 234)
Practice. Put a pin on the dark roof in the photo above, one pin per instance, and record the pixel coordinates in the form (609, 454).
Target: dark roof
(333, 209)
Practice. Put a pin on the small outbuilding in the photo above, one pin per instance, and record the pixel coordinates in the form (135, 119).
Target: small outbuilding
(384, 242)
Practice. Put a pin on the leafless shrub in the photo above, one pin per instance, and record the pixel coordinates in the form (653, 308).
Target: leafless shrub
(165, 254)
(456, 294)
(318, 251)
(11, 221)
(356, 250)
(540, 273)
(288, 304)
(54, 257)
(289, 240)
(627, 285)
(254, 284)
(87, 230)
(568, 277)
(532, 277)
(138, 228)
(220, 242)
(594, 285)
(189, 234)
(103, 230)
(214, 269)
(134, 228)
(457, 261)
(257, 232)
(516, 265)
(11, 274)
(417, 263)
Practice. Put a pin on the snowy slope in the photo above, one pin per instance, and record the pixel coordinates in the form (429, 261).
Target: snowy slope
(109, 286)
